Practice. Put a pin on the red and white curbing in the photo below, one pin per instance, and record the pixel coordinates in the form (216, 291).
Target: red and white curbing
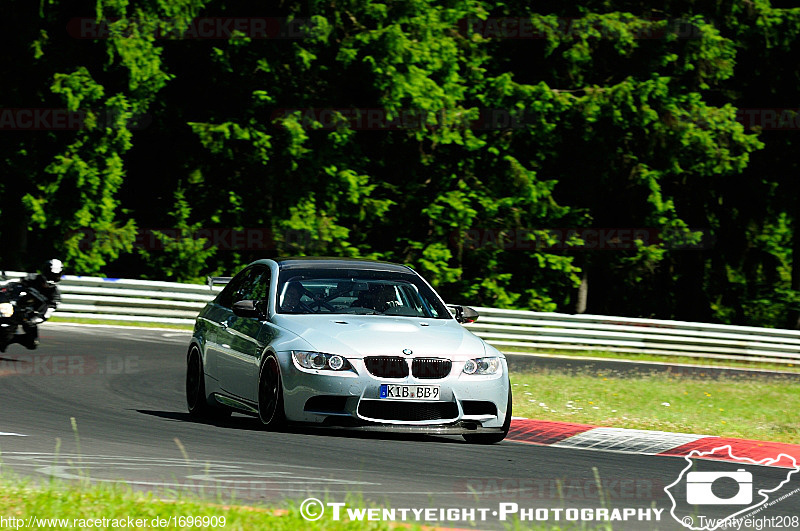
(584, 436)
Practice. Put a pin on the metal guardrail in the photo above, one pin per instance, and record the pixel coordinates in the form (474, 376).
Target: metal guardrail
(177, 303)
(118, 299)
(516, 329)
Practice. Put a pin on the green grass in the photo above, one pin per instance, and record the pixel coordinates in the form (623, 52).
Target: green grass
(745, 406)
(709, 362)
(76, 503)
(145, 324)
(117, 501)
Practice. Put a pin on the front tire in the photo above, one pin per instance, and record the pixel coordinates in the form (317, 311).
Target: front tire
(270, 394)
(196, 399)
(492, 438)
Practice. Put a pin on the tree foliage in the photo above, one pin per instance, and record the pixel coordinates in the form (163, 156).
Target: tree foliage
(473, 140)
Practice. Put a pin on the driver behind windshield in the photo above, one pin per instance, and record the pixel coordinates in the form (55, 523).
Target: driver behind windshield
(291, 298)
(379, 297)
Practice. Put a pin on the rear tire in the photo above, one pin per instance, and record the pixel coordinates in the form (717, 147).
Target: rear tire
(492, 438)
(270, 394)
(196, 399)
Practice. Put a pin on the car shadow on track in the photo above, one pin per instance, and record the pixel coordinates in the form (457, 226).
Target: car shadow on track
(244, 422)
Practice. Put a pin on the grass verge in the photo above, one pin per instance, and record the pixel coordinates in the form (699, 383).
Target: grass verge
(72, 506)
(745, 406)
(144, 324)
(709, 362)
(82, 505)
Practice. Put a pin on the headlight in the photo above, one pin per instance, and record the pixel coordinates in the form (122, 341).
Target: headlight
(320, 361)
(6, 309)
(482, 366)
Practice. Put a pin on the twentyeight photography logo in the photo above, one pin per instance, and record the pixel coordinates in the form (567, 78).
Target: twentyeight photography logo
(713, 494)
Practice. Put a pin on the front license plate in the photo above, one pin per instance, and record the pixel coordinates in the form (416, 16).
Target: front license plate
(410, 392)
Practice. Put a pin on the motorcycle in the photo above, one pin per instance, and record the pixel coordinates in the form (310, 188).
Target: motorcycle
(20, 306)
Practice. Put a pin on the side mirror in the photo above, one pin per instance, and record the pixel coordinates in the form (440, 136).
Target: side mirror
(468, 315)
(465, 314)
(247, 308)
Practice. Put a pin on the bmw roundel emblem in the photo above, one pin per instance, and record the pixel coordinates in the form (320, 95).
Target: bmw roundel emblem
(407, 351)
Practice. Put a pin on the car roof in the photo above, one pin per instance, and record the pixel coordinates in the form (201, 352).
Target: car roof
(322, 262)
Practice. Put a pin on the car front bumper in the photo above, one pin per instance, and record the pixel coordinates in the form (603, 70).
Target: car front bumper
(351, 399)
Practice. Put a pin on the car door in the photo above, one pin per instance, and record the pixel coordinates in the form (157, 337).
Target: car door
(216, 317)
(240, 338)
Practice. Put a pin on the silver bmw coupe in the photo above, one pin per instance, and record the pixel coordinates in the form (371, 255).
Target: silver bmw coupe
(346, 343)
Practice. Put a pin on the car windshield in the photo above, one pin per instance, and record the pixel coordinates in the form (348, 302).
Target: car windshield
(357, 292)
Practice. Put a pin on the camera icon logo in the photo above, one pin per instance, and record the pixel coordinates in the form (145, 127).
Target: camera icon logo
(699, 492)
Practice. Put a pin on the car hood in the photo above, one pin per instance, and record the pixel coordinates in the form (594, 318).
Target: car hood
(355, 336)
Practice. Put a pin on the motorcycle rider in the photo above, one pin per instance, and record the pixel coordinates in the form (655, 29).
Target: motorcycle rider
(43, 287)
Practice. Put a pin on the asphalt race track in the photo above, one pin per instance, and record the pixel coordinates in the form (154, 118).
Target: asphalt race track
(125, 390)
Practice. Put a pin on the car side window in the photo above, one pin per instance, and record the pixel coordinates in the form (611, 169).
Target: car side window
(250, 284)
(225, 298)
(256, 288)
